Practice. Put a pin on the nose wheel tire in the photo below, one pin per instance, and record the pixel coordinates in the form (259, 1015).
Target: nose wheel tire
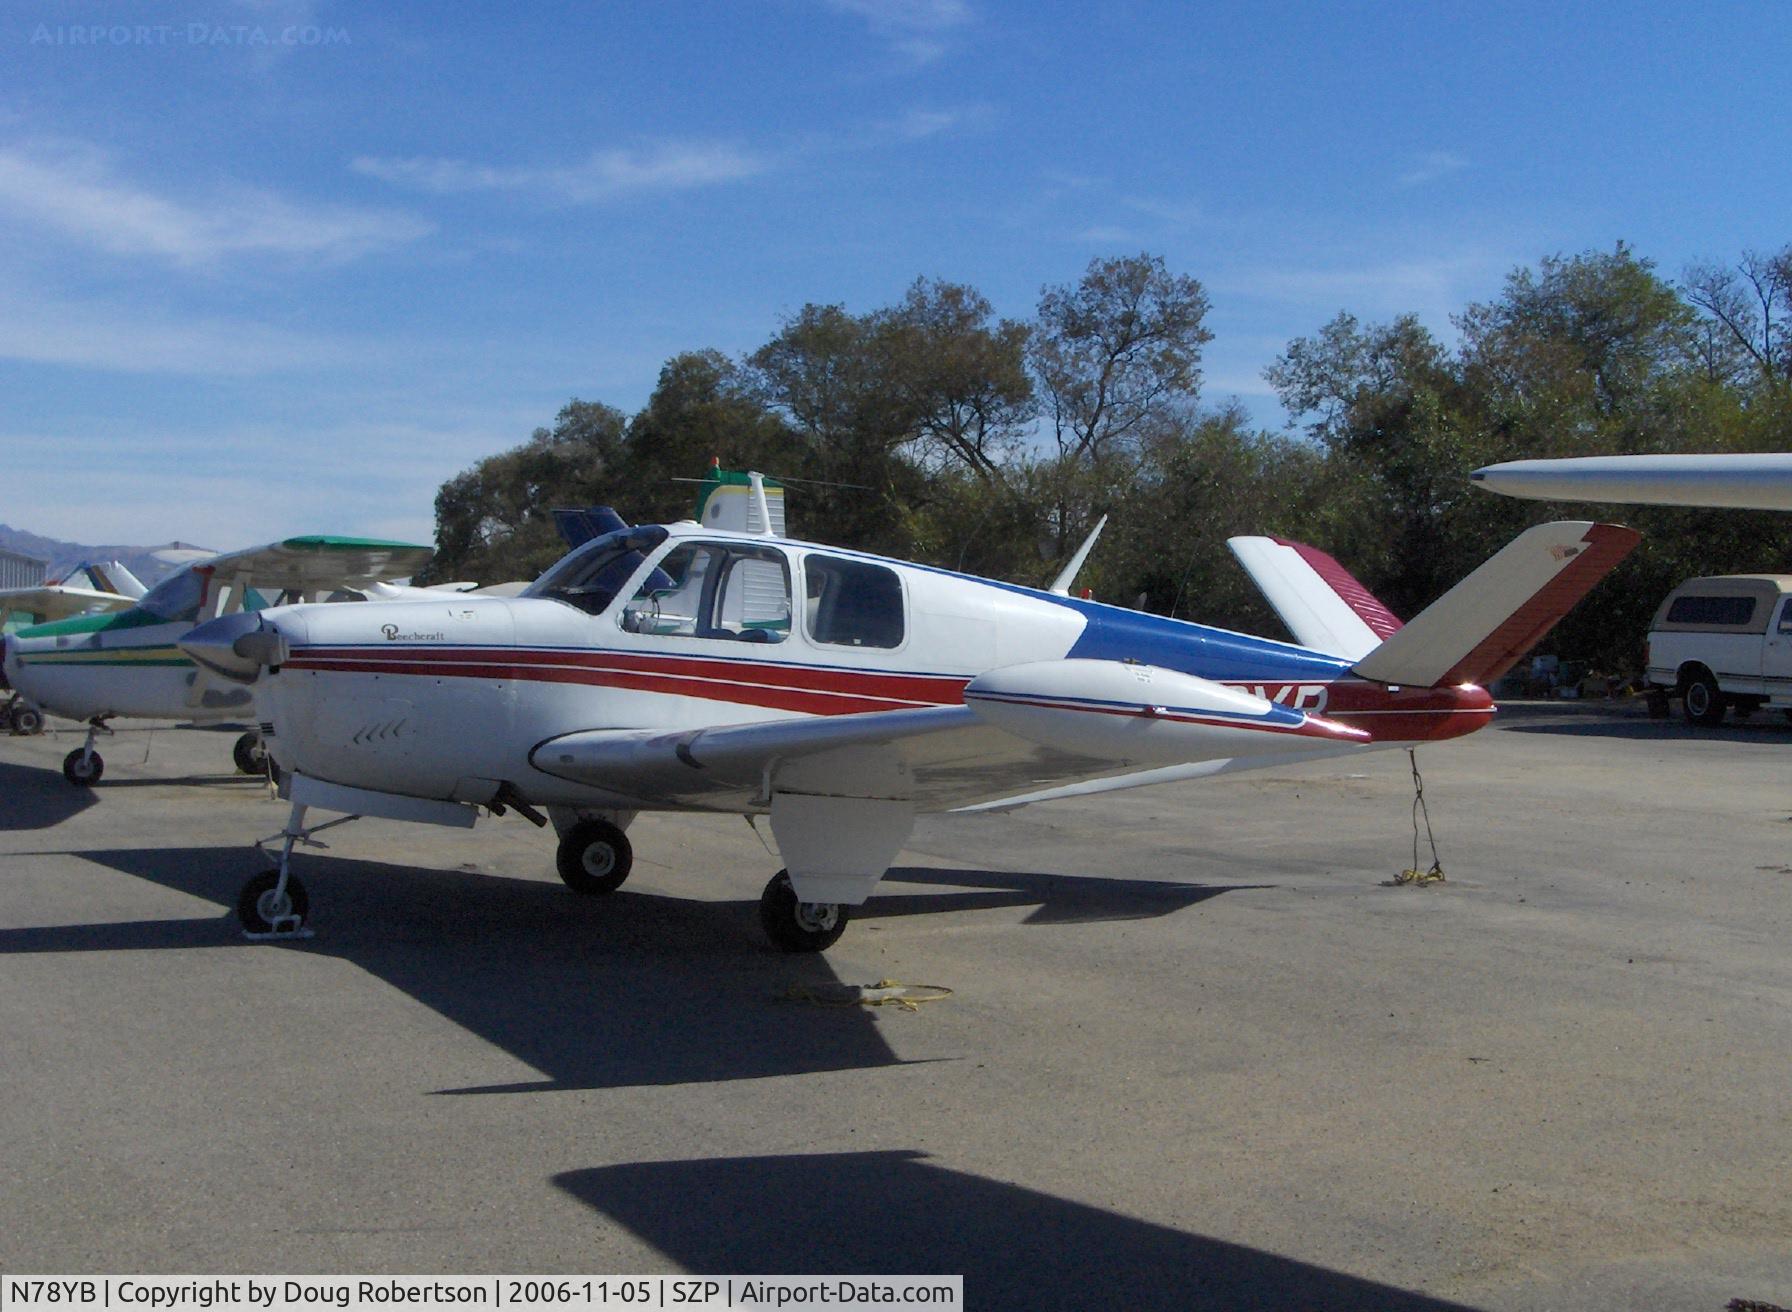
(795, 926)
(83, 768)
(594, 857)
(250, 754)
(263, 909)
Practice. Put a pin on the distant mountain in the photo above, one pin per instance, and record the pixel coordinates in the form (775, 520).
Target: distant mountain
(64, 556)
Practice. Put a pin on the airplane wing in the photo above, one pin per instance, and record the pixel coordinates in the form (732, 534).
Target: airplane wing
(318, 564)
(58, 602)
(1022, 730)
(1742, 481)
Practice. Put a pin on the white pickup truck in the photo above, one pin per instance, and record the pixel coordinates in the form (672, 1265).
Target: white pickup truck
(1722, 644)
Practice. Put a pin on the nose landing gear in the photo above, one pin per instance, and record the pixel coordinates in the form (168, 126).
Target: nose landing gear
(84, 766)
(250, 754)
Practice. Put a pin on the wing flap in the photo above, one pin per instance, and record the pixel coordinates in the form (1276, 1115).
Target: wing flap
(937, 757)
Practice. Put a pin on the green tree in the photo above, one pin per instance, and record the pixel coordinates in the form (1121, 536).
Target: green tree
(1116, 349)
(704, 407)
(957, 383)
(494, 522)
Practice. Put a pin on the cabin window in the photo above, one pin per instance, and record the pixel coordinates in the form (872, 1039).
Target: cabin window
(1785, 624)
(727, 590)
(590, 577)
(1711, 610)
(850, 603)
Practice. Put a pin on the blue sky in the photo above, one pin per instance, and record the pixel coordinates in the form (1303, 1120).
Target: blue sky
(279, 266)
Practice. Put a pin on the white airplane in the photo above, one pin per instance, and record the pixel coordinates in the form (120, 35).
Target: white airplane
(113, 587)
(679, 667)
(1742, 482)
(126, 664)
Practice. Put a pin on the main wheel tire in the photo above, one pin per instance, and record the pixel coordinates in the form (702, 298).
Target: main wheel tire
(594, 857)
(27, 721)
(250, 754)
(261, 911)
(1702, 701)
(83, 768)
(795, 926)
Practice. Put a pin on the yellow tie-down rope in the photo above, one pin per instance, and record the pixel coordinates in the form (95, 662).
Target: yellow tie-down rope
(884, 993)
(1413, 875)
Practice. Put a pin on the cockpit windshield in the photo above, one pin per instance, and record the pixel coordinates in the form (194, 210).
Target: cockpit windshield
(177, 597)
(590, 577)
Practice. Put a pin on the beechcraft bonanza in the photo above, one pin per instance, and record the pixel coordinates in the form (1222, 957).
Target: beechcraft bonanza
(679, 667)
(98, 667)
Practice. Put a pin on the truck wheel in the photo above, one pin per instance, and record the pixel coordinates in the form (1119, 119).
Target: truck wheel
(1702, 701)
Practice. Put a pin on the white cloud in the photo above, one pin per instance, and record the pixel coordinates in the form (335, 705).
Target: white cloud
(1432, 166)
(919, 30)
(1433, 287)
(374, 478)
(125, 339)
(1173, 214)
(604, 175)
(1108, 235)
(73, 191)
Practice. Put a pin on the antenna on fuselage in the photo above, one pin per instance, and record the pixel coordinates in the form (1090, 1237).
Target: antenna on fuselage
(1067, 576)
(757, 480)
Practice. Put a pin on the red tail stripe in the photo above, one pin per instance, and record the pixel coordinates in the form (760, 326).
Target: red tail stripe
(1382, 622)
(1607, 544)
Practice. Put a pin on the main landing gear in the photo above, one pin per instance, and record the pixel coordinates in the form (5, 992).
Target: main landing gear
(84, 766)
(20, 718)
(795, 926)
(594, 857)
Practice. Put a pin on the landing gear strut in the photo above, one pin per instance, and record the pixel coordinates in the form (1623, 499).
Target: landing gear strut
(795, 926)
(594, 857)
(273, 905)
(84, 766)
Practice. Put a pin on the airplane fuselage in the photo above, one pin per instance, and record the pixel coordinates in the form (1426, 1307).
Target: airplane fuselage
(446, 700)
(122, 664)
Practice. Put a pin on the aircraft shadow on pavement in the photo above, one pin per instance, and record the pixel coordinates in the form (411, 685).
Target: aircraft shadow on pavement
(858, 1213)
(1059, 899)
(627, 990)
(38, 799)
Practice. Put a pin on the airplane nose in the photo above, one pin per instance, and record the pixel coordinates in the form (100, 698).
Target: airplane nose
(236, 646)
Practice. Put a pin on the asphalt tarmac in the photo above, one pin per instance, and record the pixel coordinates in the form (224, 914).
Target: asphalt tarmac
(1198, 1053)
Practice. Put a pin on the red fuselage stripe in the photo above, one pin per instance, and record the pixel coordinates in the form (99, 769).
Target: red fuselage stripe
(1413, 714)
